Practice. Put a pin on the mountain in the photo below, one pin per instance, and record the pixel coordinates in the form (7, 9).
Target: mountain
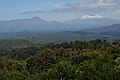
(33, 24)
(37, 19)
(109, 30)
(91, 21)
(110, 33)
(25, 32)
(38, 24)
(112, 30)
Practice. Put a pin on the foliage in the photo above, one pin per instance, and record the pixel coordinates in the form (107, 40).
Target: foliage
(79, 60)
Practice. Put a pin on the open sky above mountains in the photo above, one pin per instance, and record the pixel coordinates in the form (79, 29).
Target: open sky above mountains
(58, 10)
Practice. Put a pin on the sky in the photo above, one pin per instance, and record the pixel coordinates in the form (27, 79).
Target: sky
(58, 10)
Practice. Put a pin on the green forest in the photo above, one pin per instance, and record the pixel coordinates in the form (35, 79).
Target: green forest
(75, 60)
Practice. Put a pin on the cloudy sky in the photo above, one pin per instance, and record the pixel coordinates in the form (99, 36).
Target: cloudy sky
(59, 10)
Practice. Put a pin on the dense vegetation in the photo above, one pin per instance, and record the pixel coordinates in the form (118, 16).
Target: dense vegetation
(78, 60)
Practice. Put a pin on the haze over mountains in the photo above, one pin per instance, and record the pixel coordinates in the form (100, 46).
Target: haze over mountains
(37, 30)
(38, 24)
(107, 30)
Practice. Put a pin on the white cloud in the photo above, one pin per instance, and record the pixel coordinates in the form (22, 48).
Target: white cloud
(33, 12)
(98, 6)
(109, 1)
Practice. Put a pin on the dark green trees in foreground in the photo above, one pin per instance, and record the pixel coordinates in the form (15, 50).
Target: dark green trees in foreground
(79, 60)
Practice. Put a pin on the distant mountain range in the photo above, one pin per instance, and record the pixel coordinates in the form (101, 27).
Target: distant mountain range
(91, 21)
(38, 24)
(33, 24)
(109, 33)
(108, 30)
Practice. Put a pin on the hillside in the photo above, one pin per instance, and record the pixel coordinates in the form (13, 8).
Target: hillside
(109, 30)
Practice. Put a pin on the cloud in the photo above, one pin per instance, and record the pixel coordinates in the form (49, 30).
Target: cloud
(97, 6)
(88, 6)
(109, 1)
(33, 12)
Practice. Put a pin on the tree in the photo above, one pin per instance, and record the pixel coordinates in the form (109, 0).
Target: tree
(64, 71)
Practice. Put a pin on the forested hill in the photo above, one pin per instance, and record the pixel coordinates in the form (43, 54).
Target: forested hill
(76, 60)
(112, 30)
(108, 30)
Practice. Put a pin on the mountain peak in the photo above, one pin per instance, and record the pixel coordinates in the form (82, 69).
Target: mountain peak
(91, 17)
(36, 18)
